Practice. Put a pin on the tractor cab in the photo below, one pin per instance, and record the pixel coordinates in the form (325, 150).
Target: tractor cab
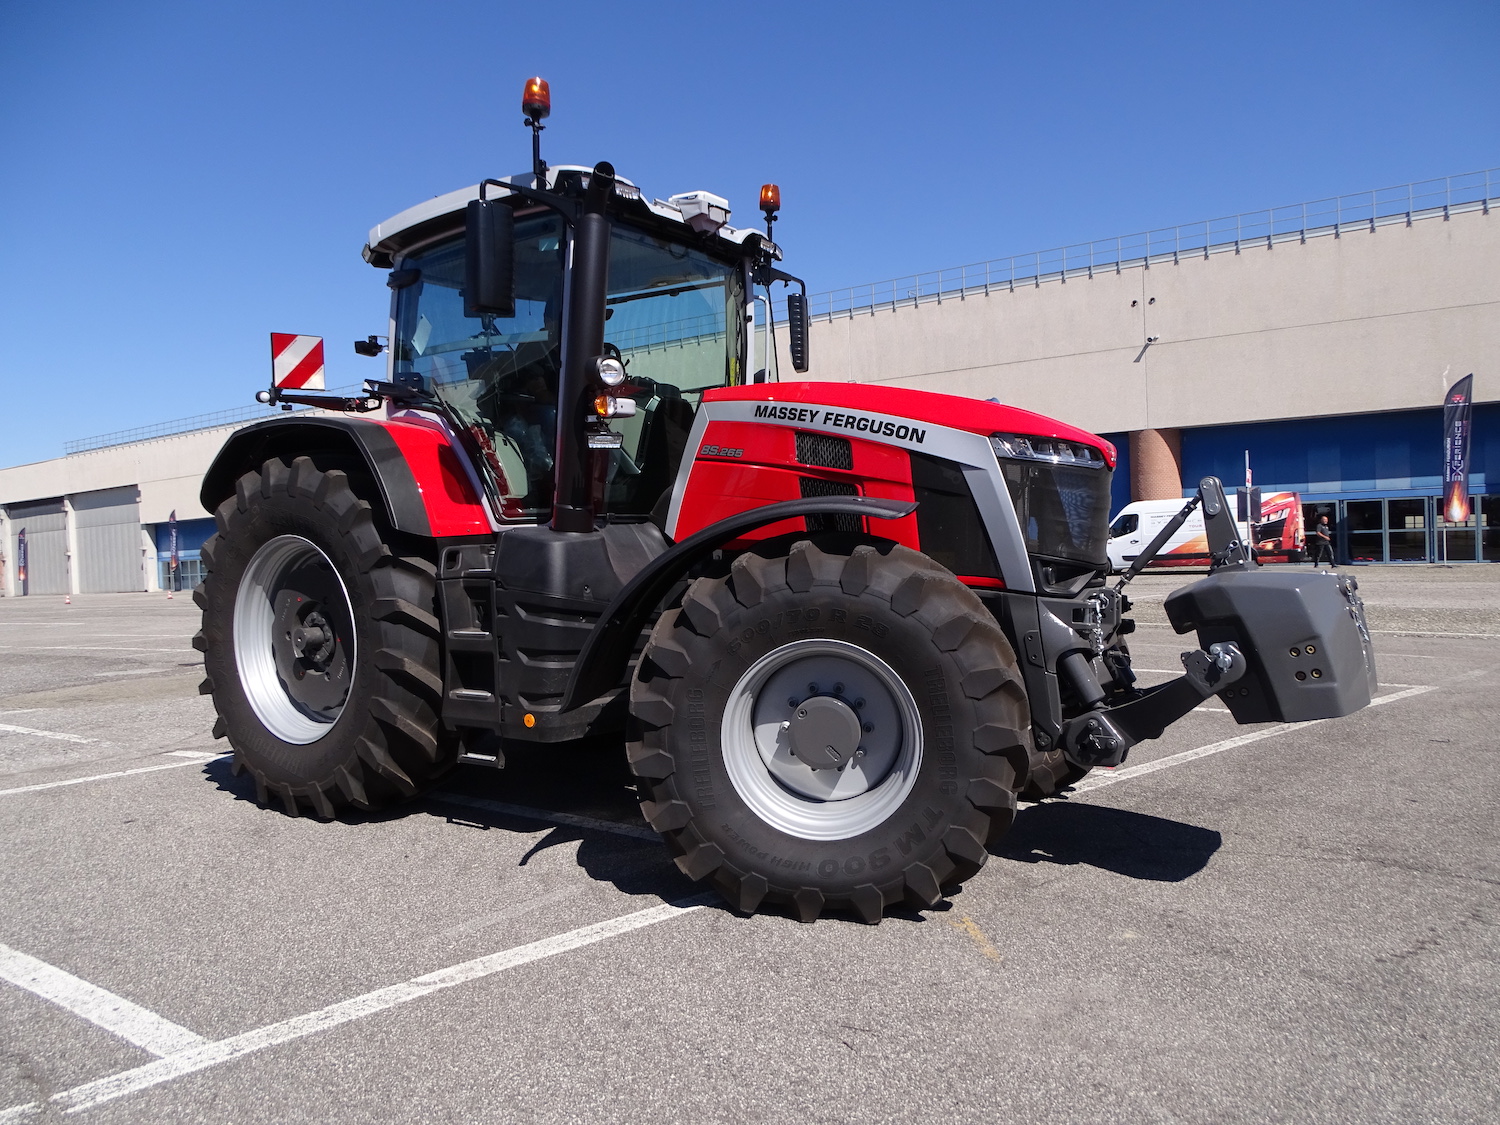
(676, 317)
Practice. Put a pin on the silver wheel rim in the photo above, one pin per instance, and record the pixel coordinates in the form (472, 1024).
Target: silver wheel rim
(759, 743)
(266, 595)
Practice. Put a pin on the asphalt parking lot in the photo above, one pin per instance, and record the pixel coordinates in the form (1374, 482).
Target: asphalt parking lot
(1242, 924)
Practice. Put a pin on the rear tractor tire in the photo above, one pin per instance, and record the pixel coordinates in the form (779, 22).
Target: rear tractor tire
(829, 732)
(321, 644)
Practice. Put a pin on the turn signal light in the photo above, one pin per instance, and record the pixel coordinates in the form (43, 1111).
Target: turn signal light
(536, 99)
(770, 199)
(607, 406)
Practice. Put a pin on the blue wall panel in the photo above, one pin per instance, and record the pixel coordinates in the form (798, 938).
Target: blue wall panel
(1393, 452)
(191, 535)
(1119, 494)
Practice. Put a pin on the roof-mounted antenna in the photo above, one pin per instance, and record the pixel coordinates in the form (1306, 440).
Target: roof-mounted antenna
(536, 103)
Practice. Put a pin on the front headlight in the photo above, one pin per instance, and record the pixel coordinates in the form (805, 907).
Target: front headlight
(611, 370)
(1056, 451)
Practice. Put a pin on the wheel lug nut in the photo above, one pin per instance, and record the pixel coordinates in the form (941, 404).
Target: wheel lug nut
(868, 727)
(792, 701)
(858, 703)
(838, 689)
(813, 688)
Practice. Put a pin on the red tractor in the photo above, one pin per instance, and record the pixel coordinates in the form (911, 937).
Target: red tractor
(841, 627)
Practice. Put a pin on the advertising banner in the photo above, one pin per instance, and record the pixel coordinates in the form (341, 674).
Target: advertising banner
(21, 561)
(1457, 412)
(172, 544)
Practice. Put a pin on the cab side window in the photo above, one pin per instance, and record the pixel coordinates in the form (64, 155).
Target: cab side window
(1124, 525)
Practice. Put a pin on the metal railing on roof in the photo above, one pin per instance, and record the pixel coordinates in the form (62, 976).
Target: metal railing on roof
(1336, 216)
(239, 415)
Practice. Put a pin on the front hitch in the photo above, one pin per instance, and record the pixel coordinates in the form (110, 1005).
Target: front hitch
(1102, 737)
(1278, 645)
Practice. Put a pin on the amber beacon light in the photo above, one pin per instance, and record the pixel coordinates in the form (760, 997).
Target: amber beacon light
(536, 101)
(770, 200)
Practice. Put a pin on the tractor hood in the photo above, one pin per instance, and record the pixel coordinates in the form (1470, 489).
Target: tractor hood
(953, 411)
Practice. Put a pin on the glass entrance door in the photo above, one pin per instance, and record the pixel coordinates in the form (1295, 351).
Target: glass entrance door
(1406, 524)
(1364, 524)
(1458, 542)
(1396, 530)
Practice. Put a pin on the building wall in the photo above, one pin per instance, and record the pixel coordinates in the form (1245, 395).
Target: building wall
(91, 531)
(108, 535)
(45, 525)
(1368, 321)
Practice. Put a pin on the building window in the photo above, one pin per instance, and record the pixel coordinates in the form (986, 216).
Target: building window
(189, 573)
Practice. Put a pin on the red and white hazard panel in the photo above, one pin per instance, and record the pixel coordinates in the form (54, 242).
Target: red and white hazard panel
(296, 362)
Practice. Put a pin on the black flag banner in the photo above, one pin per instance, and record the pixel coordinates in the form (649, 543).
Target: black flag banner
(1457, 409)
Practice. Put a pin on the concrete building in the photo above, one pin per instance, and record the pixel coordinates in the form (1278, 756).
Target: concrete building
(1319, 338)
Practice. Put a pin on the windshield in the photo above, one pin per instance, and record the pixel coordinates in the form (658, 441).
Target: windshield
(674, 313)
(1063, 509)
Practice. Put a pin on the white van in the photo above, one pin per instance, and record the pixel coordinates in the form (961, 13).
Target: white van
(1278, 535)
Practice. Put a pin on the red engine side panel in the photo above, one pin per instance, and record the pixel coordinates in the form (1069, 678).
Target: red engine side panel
(453, 507)
(744, 465)
(954, 411)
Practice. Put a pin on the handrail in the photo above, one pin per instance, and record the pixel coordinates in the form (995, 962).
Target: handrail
(1335, 216)
(233, 416)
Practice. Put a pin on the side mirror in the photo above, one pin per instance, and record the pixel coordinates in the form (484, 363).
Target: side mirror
(797, 329)
(489, 259)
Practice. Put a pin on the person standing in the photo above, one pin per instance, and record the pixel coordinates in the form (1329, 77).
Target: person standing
(1322, 542)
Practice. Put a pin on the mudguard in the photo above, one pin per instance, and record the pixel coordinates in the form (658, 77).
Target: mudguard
(606, 653)
(421, 476)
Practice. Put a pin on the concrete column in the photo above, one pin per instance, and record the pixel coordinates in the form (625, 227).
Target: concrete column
(70, 522)
(1156, 465)
(7, 564)
(149, 566)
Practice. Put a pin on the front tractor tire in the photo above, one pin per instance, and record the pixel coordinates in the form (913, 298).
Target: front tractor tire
(321, 644)
(829, 732)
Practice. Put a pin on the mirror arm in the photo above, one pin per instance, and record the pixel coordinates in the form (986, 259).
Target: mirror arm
(564, 207)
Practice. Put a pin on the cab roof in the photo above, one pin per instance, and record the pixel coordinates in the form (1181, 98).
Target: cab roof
(698, 213)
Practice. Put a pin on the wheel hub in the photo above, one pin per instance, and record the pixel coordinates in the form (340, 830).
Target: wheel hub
(822, 739)
(294, 639)
(824, 733)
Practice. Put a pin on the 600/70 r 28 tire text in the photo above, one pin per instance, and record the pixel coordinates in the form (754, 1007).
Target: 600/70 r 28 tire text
(321, 644)
(829, 731)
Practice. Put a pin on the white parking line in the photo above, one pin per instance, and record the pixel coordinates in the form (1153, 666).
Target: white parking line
(1413, 633)
(1099, 780)
(638, 831)
(202, 1057)
(196, 760)
(45, 733)
(115, 1014)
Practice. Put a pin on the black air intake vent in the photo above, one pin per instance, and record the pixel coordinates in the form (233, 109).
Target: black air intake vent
(827, 453)
(814, 487)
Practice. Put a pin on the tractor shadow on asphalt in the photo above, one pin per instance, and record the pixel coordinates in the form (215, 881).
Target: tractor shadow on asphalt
(587, 779)
(1127, 843)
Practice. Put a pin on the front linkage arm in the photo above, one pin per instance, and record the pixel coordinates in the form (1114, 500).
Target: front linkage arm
(1101, 736)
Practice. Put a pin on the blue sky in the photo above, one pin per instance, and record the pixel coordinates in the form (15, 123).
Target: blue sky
(180, 179)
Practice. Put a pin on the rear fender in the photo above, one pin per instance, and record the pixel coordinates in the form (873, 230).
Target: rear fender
(607, 652)
(425, 484)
